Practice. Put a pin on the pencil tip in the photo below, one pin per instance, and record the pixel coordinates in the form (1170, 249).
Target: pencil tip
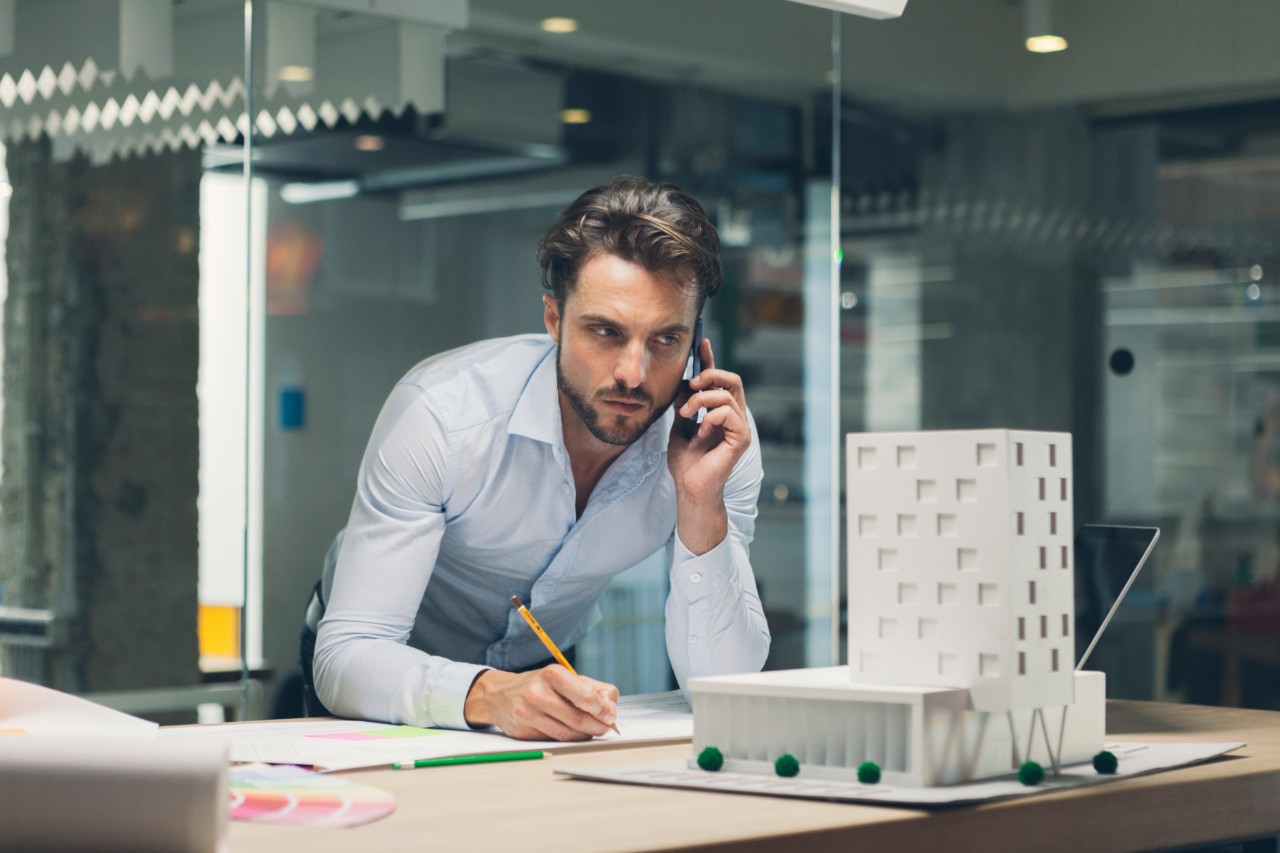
(516, 602)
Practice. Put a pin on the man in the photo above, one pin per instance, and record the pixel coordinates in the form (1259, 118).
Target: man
(541, 466)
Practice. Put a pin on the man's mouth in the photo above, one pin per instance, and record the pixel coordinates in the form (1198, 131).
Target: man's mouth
(623, 407)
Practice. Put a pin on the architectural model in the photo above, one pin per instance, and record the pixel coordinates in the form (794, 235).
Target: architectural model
(961, 625)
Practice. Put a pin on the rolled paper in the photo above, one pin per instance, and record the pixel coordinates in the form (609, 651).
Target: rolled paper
(86, 793)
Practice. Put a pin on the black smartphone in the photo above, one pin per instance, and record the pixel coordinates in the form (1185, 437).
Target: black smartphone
(692, 368)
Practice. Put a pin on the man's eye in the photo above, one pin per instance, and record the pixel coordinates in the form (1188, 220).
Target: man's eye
(604, 331)
(669, 340)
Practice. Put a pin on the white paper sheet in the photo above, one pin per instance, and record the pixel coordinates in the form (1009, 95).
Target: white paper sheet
(1135, 759)
(34, 710)
(647, 718)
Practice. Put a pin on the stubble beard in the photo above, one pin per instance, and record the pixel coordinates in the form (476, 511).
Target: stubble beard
(619, 436)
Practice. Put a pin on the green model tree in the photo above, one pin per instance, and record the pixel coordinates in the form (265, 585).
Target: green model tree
(868, 773)
(1105, 762)
(1030, 773)
(786, 765)
(711, 759)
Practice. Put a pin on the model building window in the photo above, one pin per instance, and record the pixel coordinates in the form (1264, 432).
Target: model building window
(1043, 557)
(907, 526)
(1022, 628)
(1022, 663)
(1066, 556)
(1062, 488)
(1018, 450)
(906, 457)
(1042, 488)
(1053, 455)
(1054, 660)
(1053, 524)
(926, 491)
(948, 663)
(1022, 525)
(1066, 625)
(946, 524)
(987, 456)
(1031, 591)
(867, 458)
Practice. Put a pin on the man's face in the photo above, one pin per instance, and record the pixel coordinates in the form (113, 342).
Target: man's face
(624, 336)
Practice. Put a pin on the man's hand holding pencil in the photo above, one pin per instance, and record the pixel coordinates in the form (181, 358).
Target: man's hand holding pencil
(552, 703)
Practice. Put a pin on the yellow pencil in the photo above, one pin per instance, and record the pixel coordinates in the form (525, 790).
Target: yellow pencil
(546, 641)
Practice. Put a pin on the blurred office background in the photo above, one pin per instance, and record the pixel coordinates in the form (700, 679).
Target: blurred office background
(926, 226)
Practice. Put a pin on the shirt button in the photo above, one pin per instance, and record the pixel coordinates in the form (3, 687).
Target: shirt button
(565, 488)
(693, 641)
(696, 577)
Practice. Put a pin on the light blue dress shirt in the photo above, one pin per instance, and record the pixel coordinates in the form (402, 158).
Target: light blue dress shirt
(465, 497)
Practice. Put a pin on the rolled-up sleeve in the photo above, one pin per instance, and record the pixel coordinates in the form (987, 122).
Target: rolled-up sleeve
(363, 667)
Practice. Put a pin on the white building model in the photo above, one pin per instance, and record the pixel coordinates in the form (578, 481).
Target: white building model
(961, 624)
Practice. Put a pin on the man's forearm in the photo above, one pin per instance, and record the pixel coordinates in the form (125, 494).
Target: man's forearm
(701, 521)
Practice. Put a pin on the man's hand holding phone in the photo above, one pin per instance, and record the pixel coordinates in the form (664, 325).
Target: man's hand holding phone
(702, 457)
(693, 369)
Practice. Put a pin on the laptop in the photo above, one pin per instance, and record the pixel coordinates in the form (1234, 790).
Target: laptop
(1108, 559)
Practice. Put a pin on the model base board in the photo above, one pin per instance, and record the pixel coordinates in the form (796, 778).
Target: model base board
(1135, 759)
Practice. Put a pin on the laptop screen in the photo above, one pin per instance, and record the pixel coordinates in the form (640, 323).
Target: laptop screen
(1107, 561)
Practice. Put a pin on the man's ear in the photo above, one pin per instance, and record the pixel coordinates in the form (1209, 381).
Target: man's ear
(551, 316)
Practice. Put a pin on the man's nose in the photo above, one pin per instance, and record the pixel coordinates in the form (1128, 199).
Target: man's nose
(632, 366)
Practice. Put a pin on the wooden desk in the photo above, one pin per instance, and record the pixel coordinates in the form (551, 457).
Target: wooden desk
(522, 806)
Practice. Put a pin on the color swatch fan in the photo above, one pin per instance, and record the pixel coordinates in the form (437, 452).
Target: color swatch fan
(266, 793)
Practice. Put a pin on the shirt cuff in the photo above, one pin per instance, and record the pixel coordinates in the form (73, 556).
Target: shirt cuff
(695, 574)
(449, 694)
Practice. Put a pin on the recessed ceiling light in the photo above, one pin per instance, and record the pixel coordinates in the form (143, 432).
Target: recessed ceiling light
(1046, 44)
(296, 74)
(370, 142)
(575, 116)
(1041, 37)
(558, 25)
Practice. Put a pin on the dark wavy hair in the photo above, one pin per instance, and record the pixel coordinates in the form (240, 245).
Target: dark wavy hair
(658, 227)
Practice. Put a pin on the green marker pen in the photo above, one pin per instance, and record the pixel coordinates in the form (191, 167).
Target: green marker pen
(467, 759)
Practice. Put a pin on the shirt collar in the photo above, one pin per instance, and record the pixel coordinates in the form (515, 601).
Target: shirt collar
(537, 412)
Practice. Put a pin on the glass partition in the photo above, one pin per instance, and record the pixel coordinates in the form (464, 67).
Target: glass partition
(410, 164)
(106, 109)
(1061, 241)
(191, 366)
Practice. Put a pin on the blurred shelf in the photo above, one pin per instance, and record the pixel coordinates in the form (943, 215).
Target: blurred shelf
(787, 511)
(782, 453)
